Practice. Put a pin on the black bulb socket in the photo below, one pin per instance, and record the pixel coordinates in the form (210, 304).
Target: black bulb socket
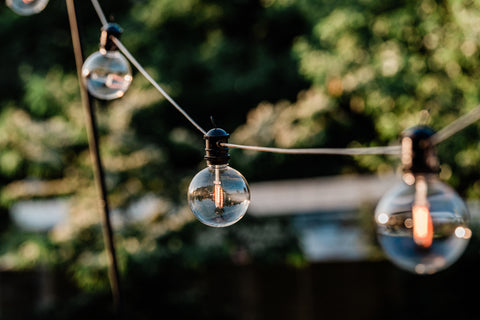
(419, 155)
(215, 153)
(109, 31)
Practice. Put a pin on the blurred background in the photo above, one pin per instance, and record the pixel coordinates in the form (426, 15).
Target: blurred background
(280, 73)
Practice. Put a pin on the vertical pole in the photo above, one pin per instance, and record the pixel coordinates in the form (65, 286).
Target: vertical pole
(97, 163)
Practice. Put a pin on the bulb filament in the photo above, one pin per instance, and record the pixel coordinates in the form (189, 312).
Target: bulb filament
(218, 196)
(422, 220)
(422, 226)
(114, 81)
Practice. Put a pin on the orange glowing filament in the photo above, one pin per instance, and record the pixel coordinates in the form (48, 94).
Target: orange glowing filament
(218, 193)
(422, 220)
(422, 226)
(27, 1)
(218, 196)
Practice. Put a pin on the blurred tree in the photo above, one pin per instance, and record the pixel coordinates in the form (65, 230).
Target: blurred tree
(376, 68)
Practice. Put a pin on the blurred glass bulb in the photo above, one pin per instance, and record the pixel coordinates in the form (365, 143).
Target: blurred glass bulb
(422, 223)
(107, 73)
(422, 239)
(218, 195)
(27, 7)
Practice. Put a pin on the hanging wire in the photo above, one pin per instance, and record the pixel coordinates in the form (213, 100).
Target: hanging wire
(132, 59)
(347, 151)
(391, 150)
(445, 133)
(139, 67)
(457, 125)
(100, 13)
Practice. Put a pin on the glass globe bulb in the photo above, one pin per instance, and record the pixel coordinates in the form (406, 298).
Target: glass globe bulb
(107, 74)
(27, 7)
(422, 237)
(219, 196)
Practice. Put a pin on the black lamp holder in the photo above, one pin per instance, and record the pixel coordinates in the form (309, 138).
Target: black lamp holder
(216, 154)
(419, 154)
(108, 31)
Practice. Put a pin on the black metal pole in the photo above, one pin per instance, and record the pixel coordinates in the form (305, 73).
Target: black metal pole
(99, 175)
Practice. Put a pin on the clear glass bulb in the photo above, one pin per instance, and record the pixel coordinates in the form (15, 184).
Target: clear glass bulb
(27, 7)
(422, 226)
(107, 74)
(219, 196)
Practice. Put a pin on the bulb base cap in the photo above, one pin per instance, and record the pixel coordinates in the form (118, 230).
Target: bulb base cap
(215, 154)
(419, 154)
(108, 31)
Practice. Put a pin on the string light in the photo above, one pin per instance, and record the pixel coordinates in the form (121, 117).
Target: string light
(107, 73)
(218, 195)
(422, 223)
(27, 7)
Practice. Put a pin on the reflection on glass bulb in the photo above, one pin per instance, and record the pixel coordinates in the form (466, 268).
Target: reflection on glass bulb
(218, 193)
(27, 7)
(219, 196)
(107, 74)
(422, 226)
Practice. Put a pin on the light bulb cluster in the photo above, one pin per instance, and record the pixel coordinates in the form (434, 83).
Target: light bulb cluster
(422, 223)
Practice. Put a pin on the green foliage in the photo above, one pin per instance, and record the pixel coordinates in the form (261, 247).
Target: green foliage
(21, 250)
(196, 247)
(377, 68)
